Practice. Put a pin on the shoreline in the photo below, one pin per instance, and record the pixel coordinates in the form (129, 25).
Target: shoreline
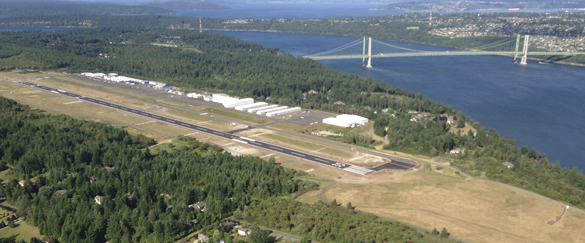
(277, 31)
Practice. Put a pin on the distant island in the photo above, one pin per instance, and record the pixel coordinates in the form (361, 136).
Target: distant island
(185, 5)
(457, 6)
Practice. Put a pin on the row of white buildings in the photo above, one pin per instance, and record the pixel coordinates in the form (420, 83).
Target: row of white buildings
(248, 104)
(114, 77)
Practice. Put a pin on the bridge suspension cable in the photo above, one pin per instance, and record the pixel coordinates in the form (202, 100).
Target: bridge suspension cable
(341, 48)
(503, 44)
(393, 46)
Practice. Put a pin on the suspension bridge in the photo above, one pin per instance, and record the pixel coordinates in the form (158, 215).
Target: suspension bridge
(363, 49)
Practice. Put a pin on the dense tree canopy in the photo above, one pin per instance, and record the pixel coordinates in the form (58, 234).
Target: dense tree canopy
(144, 197)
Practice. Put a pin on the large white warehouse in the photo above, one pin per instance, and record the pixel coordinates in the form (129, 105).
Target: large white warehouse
(238, 102)
(254, 110)
(346, 120)
(284, 112)
(262, 112)
(250, 106)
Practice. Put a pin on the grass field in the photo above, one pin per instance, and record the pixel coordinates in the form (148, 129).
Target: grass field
(321, 127)
(178, 104)
(24, 231)
(121, 91)
(464, 130)
(309, 145)
(235, 115)
(313, 196)
(5, 176)
(471, 209)
(77, 81)
(197, 117)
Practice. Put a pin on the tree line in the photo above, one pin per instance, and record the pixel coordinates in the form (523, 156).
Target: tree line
(330, 222)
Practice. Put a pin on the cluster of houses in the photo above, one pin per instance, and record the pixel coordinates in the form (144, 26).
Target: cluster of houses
(228, 224)
(427, 115)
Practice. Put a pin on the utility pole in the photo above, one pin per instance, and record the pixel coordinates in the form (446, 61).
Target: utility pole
(370, 54)
(200, 26)
(526, 42)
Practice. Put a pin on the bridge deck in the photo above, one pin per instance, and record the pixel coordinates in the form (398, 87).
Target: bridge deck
(443, 53)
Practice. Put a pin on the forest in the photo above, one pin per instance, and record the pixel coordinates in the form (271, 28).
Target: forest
(331, 222)
(65, 163)
(209, 61)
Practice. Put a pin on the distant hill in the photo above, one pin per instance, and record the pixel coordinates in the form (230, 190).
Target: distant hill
(24, 8)
(452, 6)
(184, 5)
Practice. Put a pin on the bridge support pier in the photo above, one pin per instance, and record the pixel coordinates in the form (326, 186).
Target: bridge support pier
(369, 53)
(526, 43)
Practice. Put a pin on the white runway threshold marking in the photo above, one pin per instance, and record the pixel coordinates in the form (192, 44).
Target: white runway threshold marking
(358, 170)
(72, 102)
(138, 124)
(240, 141)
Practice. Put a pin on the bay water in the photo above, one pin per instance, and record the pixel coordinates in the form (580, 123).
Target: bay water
(538, 105)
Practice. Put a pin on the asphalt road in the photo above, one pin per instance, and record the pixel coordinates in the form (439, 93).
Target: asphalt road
(294, 153)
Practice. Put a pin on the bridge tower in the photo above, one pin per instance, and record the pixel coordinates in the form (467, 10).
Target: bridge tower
(364, 53)
(369, 53)
(526, 43)
(517, 45)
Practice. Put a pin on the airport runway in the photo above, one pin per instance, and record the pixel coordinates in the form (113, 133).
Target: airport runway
(298, 154)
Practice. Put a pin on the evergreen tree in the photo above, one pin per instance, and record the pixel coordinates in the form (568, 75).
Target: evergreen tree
(444, 233)
(435, 232)
(349, 206)
(334, 202)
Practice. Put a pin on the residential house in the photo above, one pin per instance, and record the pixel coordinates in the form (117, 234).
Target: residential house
(21, 183)
(191, 223)
(457, 151)
(244, 232)
(98, 199)
(60, 192)
(199, 205)
(417, 118)
(312, 92)
(228, 225)
(203, 238)
(339, 102)
(509, 165)
(48, 240)
(451, 120)
(412, 112)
